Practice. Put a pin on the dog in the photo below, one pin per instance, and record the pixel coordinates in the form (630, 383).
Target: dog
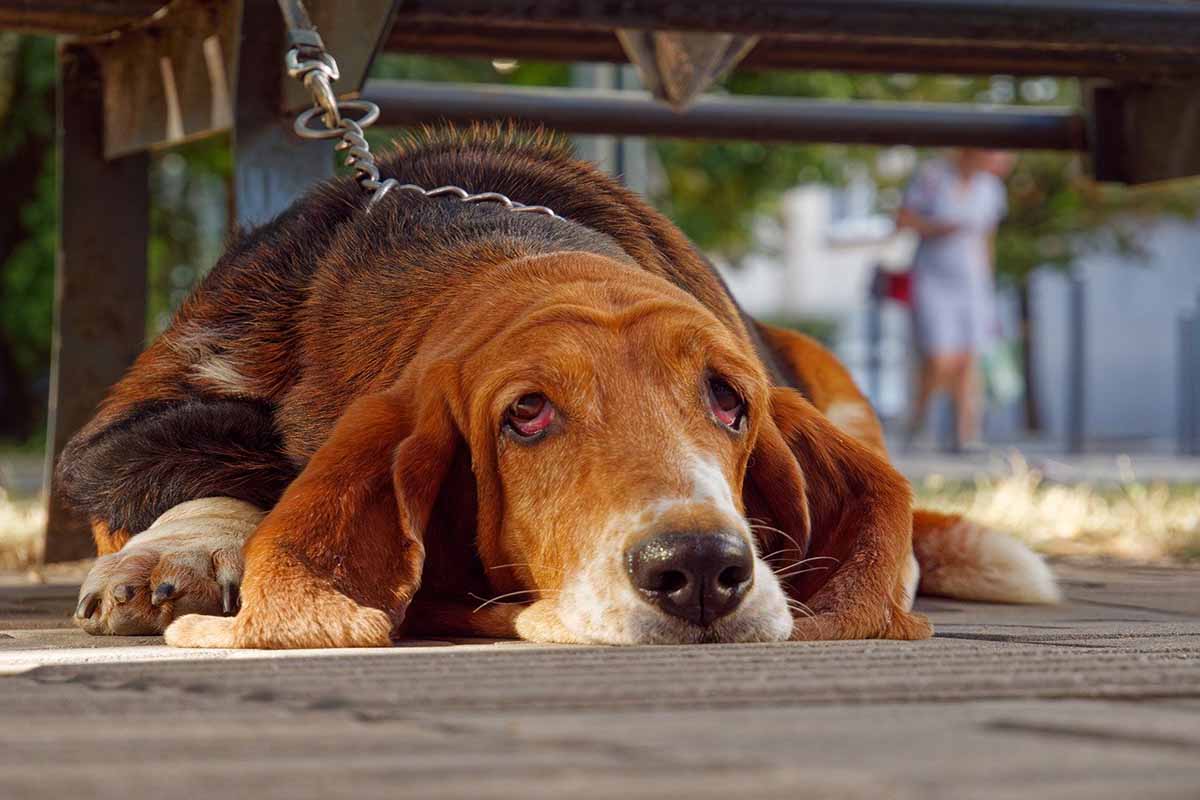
(438, 417)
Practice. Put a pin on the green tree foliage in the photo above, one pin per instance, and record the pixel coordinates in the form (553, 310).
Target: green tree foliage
(26, 228)
(1057, 215)
(27, 241)
(716, 189)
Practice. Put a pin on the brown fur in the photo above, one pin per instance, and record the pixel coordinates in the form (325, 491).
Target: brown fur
(387, 346)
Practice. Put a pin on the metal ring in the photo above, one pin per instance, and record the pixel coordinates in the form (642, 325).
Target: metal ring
(370, 113)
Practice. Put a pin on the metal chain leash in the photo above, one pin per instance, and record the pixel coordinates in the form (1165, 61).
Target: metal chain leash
(308, 62)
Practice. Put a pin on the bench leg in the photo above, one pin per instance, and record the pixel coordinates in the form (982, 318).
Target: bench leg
(100, 277)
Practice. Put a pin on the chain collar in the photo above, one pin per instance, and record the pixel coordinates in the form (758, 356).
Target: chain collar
(317, 70)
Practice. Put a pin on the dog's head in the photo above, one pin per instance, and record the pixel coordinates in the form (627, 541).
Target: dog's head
(612, 422)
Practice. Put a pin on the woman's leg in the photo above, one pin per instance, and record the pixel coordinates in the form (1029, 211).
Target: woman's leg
(965, 391)
(936, 373)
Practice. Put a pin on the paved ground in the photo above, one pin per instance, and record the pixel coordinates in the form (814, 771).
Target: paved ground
(1056, 467)
(1096, 698)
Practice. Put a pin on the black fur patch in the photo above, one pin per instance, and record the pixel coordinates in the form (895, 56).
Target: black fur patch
(163, 455)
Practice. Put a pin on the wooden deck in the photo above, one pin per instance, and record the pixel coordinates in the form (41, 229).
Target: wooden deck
(1097, 698)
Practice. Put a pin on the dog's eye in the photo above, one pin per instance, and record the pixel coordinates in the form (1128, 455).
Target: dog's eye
(726, 403)
(529, 415)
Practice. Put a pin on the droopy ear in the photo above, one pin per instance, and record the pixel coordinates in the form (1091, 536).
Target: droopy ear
(774, 496)
(338, 560)
(856, 532)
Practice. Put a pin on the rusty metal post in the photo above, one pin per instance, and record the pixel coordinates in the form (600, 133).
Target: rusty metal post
(1187, 385)
(100, 276)
(724, 117)
(1077, 351)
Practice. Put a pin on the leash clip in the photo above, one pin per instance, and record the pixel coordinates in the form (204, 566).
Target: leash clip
(307, 61)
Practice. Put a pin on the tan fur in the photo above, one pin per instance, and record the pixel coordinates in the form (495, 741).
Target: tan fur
(107, 541)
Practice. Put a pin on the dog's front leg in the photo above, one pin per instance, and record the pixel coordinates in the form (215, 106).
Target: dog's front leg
(337, 561)
(189, 561)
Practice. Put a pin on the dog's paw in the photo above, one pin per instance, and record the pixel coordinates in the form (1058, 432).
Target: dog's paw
(188, 562)
(195, 630)
(320, 620)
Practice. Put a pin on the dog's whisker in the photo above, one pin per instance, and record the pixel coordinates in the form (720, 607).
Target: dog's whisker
(525, 564)
(801, 608)
(487, 601)
(758, 526)
(786, 575)
(811, 561)
(802, 562)
(768, 556)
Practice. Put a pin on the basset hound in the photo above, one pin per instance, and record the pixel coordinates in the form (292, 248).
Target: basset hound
(447, 418)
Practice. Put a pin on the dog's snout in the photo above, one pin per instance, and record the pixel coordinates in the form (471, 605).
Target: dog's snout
(699, 577)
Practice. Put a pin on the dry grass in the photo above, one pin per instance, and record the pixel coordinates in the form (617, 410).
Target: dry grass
(1131, 521)
(22, 522)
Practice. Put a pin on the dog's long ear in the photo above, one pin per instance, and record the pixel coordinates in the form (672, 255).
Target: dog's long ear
(857, 523)
(338, 560)
(774, 495)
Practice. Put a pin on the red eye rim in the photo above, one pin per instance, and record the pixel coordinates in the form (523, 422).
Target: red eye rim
(529, 416)
(726, 403)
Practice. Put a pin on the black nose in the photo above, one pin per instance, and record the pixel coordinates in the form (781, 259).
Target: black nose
(700, 577)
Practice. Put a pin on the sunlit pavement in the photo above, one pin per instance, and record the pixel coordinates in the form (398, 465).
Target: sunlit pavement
(1099, 697)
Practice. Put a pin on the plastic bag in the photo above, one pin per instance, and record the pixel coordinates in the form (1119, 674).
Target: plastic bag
(1003, 378)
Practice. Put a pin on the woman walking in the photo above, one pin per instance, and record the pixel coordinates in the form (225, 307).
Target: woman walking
(954, 205)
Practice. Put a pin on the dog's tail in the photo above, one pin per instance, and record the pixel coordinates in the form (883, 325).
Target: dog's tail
(962, 559)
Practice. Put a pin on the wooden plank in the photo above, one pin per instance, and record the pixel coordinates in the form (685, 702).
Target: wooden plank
(1122, 25)
(435, 35)
(172, 78)
(1145, 133)
(74, 16)
(169, 80)
(100, 277)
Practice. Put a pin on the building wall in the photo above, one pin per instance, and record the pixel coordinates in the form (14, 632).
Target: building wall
(1132, 313)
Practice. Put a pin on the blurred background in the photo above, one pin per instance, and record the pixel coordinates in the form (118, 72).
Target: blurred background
(1090, 449)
